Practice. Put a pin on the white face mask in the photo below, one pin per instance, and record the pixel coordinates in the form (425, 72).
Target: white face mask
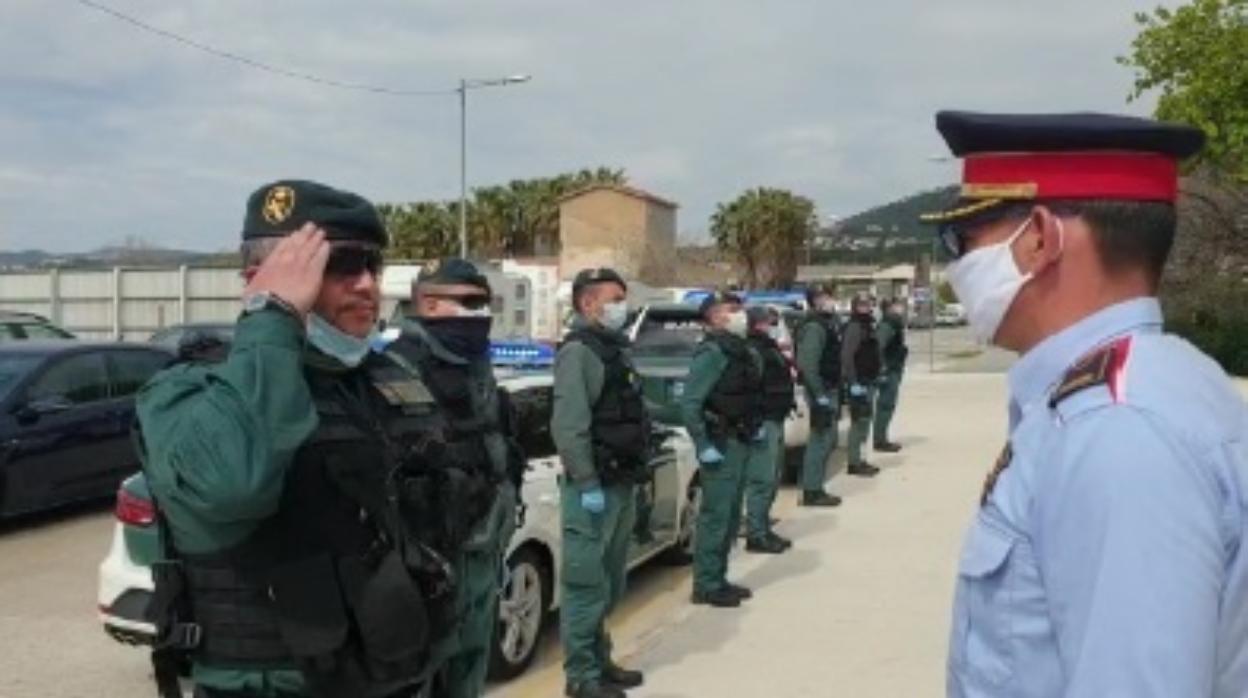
(614, 315)
(737, 324)
(986, 281)
(775, 333)
(334, 342)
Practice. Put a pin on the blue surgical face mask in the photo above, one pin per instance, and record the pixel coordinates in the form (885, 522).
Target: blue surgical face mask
(348, 350)
(614, 315)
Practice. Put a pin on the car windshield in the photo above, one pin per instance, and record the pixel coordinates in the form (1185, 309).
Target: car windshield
(12, 368)
(669, 333)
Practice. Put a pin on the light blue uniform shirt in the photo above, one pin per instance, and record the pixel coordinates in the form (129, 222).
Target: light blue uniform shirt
(1109, 559)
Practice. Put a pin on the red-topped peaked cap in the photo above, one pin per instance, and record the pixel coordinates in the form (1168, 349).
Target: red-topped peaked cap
(1021, 157)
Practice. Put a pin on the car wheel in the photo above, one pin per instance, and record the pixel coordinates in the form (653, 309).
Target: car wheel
(681, 552)
(521, 614)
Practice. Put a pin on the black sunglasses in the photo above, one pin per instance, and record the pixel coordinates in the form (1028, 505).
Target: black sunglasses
(347, 261)
(474, 301)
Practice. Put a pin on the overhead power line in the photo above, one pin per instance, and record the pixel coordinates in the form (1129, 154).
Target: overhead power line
(259, 65)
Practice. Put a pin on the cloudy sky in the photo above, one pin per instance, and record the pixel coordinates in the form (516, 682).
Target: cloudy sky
(107, 131)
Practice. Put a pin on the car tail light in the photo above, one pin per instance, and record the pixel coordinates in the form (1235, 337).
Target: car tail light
(134, 510)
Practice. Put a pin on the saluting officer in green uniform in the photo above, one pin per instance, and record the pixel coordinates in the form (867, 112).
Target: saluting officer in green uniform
(723, 412)
(778, 402)
(818, 359)
(448, 344)
(602, 431)
(284, 474)
(860, 369)
(893, 352)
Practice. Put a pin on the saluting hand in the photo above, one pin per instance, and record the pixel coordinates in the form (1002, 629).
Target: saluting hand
(294, 269)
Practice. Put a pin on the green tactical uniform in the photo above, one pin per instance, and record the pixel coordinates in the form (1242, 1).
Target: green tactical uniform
(893, 353)
(601, 429)
(721, 407)
(228, 448)
(860, 365)
(819, 368)
(762, 477)
(467, 391)
(287, 500)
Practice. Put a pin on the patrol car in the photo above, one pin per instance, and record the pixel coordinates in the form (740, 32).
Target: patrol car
(533, 558)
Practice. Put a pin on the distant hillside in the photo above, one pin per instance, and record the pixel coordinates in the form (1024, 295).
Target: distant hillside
(110, 257)
(900, 218)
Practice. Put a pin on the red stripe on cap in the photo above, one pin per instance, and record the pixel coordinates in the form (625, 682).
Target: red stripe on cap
(1103, 175)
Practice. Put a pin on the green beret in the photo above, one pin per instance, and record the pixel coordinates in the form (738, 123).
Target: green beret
(452, 271)
(281, 208)
(717, 298)
(601, 275)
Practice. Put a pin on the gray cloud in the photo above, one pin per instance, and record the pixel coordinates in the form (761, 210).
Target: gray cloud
(106, 131)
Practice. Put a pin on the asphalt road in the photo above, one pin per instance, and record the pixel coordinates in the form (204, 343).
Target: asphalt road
(54, 647)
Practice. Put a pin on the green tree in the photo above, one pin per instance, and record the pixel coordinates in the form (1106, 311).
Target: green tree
(516, 219)
(765, 230)
(1197, 57)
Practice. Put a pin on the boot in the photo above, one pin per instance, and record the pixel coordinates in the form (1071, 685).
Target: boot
(780, 539)
(593, 689)
(764, 544)
(720, 598)
(863, 469)
(887, 447)
(742, 593)
(819, 498)
(620, 677)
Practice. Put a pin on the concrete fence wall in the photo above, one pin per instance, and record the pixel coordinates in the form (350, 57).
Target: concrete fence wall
(124, 304)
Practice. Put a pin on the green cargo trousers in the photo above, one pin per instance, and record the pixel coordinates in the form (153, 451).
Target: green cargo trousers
(820, 444)
(594, 566)
(860, 424)
(886, 404)
(760, 480)
(465, 654)
(719, 515)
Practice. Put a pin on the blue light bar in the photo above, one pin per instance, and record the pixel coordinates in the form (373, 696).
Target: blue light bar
(753, 297)
(521, 353)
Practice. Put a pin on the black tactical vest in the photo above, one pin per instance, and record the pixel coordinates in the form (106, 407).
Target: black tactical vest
(620, 429)
(867, 357)
(349, 581)
(735, 405)
(778, 399)
(895, 352)
(830, 359)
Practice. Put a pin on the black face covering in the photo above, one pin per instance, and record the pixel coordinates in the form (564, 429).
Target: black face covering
(466, 337)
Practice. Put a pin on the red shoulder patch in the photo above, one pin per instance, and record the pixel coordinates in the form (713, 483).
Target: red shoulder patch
(1104, 366)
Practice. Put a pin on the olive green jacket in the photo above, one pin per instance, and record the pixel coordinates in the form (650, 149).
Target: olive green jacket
(810, 343)
(217, 442)
(579, 377)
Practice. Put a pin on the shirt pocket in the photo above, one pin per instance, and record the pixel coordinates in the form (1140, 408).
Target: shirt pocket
(987, 593)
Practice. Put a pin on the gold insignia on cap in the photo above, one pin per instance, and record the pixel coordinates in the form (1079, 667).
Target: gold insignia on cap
(433, 266)
(278, 204)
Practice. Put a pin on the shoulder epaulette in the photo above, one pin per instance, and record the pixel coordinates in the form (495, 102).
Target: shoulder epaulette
(1103, 366)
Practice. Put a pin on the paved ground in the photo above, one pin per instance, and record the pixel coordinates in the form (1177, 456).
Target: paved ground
(860, 606)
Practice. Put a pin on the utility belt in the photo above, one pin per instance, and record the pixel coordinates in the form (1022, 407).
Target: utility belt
(354, 626)
(743, 429)
(616, 470)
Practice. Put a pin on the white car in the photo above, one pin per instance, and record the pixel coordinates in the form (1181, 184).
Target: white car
(533, 557)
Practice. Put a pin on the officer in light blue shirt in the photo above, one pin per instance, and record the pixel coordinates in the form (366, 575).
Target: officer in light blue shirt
(1109, 554)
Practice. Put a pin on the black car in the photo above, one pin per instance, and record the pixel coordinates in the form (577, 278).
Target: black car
(171, 337)
(65, 413)
(24, 326)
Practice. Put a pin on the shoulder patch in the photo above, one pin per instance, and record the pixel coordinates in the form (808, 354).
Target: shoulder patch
(1003, 462)
(1104, 366)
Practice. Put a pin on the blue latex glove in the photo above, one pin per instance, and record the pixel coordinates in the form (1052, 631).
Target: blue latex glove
(710, 456)
(594, 501)
(858, 390)
(761, 434)
(824, 401)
